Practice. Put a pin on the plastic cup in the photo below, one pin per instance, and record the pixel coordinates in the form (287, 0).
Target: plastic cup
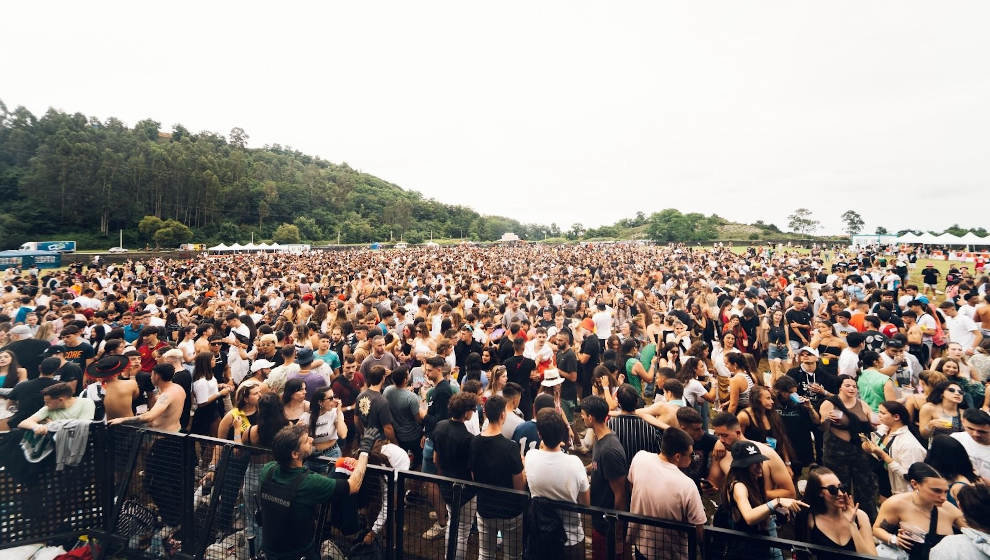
(913, 533)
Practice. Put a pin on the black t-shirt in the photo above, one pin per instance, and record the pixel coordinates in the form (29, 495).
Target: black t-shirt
(930, 275)
(68, 373)
(876, 341)
(698, 469)
(798, 425)
(821, 376)
(749, 326)
(30, 352)
(495, 460)
(610, 463)
(183, 379)
(373, 410)
(462, 349)
(27, 395)
(685, 318)
(437, 399)
(505, 350)
(452, 444)
(567, 361)
(79, 354)
(802, 317)
(145, 386)
(593, 349)
(517, 370)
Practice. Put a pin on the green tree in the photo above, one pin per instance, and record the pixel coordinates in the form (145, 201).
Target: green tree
(881, 230)
(802, 221)
(576, 231)
(286, 233)
(853, 222)
(668, 226)
(238, 137)
(308, 229)
(413, 236)
(172, 234)
(149, 225)
(229, 233)
(956, 230)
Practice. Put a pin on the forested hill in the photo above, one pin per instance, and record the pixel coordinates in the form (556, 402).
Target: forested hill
(77, 177)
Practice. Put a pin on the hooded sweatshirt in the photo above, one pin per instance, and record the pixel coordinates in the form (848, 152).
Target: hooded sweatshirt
(970, 545)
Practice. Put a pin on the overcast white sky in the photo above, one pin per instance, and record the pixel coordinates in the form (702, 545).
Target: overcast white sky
(558, 111)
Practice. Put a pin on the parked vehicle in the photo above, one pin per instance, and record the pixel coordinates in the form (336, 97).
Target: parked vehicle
(56, 246)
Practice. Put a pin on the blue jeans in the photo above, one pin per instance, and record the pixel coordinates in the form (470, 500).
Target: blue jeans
(428, 466)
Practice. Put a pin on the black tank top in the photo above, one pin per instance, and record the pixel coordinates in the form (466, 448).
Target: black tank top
(817, 537)
(753, 432)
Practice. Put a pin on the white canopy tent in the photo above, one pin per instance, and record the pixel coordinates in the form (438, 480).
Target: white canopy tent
(219, 248)
(909, 237)
(972, 239)
(948, 239)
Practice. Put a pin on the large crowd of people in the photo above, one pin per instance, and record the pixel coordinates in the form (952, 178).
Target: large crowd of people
(815, 394)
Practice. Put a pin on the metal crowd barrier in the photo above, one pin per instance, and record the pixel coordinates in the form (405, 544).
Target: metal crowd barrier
(143, 493)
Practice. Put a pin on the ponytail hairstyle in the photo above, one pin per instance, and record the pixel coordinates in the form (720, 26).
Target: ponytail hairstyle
(315, 407)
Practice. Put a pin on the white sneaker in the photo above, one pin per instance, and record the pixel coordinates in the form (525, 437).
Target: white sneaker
(434, 532)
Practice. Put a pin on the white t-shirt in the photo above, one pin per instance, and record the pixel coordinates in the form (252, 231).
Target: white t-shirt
(203, 389)
(961, 329)
(558, 476)
(979, 454)
(603, 324)
(927, 323)
(326, 426)
(693, 391)
(848, 363)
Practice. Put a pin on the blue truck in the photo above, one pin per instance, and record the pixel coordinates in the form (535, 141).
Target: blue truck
(56, 246)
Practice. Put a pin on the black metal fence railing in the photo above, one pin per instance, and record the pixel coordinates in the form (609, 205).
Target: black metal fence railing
(40, 502)
(143, 493)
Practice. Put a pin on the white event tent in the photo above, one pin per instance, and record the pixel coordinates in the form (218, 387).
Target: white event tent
(236, 247)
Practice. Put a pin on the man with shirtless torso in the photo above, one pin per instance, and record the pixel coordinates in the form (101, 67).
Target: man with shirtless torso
(165, 413)
(982, 315)
(118, 393)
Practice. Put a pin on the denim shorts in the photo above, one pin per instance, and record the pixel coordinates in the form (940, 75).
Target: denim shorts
(777, 352)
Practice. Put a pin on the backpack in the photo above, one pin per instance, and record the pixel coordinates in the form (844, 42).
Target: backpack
(545, 537)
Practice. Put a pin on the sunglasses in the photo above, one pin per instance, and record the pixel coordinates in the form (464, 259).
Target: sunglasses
(954, 390)
(834, 489)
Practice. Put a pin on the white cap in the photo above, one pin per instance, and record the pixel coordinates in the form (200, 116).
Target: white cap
(259, 365)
